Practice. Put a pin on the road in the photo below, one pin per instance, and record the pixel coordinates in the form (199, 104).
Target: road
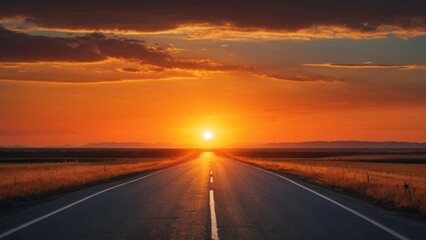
(208, 198)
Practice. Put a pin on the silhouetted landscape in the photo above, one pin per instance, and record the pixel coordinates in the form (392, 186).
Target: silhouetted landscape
(337, 144)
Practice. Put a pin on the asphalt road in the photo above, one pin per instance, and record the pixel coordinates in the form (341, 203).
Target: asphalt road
(210, 197)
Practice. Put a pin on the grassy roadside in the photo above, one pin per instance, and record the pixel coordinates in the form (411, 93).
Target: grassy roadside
(398, 186)
(27, 181)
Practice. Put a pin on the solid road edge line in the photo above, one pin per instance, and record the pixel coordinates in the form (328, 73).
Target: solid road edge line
(7, 233)
(377, 224)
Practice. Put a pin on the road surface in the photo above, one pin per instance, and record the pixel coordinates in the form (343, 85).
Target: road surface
(207, 198)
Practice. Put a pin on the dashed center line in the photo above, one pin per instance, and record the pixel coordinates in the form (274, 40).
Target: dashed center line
(213, 220)
(214, 234)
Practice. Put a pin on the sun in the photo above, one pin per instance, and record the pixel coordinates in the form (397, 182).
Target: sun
(207, 135)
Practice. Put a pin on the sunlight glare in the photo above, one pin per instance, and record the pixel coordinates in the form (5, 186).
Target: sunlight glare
(207, 135)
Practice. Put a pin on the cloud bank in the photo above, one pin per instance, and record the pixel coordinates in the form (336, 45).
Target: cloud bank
(358, 16)
(20, 53)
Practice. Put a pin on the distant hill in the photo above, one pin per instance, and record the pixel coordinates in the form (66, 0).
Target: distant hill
(311, 144)
(128, 145)
(15, 146)
(336, 144)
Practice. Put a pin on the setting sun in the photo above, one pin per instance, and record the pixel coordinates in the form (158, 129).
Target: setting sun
(207, 135)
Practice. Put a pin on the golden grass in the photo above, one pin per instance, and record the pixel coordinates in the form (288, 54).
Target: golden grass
(401, 185)
(19, 181)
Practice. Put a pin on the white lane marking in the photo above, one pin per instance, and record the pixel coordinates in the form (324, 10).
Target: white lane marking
(211, 179)
(386, 229)
(214, 235)
(211, 172)
(5, 234)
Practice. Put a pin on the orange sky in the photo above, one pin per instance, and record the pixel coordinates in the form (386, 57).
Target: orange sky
(246, 81)
(237, 109)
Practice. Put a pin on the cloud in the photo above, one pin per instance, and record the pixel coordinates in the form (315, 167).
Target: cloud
(365, 17)
(94, 47)
(233, 33)
(130, 70)
(368, 65)
(300, 78)
(111, 70)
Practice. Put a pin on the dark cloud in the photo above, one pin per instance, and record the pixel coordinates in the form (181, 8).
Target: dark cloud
(131, 70)
(21, 47)
(359, 15)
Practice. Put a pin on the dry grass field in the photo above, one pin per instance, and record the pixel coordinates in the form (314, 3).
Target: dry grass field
(402, 185)
(27, 180)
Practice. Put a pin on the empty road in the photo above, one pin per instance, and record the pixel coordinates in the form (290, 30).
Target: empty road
(208, 198)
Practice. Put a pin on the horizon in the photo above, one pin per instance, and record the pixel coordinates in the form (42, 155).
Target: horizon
(269, 145)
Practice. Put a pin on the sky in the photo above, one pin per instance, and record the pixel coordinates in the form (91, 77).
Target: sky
(75, 72)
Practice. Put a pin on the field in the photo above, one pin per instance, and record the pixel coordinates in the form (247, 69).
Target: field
(395, 178)
(31, 173)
